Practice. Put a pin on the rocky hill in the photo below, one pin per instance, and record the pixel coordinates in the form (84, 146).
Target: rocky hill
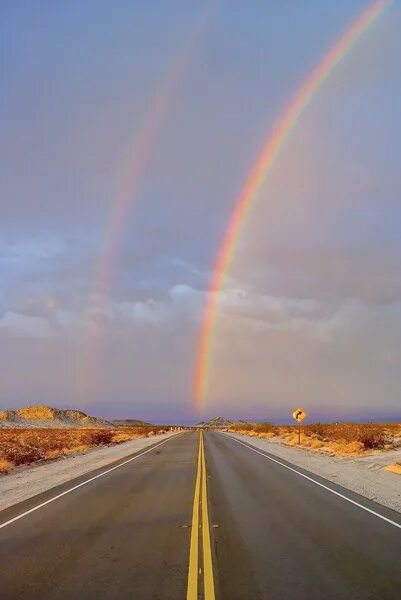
(46, 416)
(216, 422)
(130, 423)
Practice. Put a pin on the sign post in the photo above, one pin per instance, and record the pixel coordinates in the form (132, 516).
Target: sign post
(299, 415)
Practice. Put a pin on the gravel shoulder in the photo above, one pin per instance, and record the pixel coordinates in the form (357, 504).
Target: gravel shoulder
(365, 475)
(25, 482)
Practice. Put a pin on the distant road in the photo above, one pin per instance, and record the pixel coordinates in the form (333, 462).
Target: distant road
(199, 519)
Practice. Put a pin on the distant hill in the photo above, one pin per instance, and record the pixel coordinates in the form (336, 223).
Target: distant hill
(217, 422)
(46, 416)
(130, 423)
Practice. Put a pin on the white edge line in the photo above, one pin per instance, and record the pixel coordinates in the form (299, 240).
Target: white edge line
(369, 510)
(75, 487)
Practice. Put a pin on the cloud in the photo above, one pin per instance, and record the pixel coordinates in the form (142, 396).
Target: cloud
(151, 312)
(180, 304)
(343, 366)
(310, 309)
(18, 325)
(327, 270)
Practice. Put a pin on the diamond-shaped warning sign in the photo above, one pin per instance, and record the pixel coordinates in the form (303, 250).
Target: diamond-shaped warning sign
(299, 414)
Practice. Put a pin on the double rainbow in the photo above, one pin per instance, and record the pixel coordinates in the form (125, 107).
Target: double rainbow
(257, 177)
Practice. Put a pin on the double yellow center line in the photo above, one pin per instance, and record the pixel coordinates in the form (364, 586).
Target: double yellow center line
(200, 523)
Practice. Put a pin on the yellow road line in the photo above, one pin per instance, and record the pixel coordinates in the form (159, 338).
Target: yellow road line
(207, 550)
(192, 589)
(200, 498)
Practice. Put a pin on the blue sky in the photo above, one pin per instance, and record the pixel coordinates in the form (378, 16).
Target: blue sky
(311, 310)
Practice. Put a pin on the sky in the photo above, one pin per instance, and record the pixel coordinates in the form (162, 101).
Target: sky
(310, 312)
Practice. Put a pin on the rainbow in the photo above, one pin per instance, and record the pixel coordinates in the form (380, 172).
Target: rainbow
(141, 152)
(122, 205)
(256, 179)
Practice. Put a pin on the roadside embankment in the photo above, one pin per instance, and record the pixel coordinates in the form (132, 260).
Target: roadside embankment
(28, 481)
(364, 474)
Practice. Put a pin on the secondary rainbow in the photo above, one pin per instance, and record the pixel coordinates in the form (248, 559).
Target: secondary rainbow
(122, 205)
(257, 177)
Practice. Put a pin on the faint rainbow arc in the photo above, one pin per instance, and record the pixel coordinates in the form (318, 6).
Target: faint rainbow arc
(256, 178)
(123, 201)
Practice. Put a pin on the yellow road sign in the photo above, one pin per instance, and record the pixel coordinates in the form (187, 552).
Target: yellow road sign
(299, 414)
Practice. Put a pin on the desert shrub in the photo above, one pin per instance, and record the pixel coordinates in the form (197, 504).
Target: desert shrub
(342, 448)
(101, 437)
(372, 438)
(344, 437)
(369, 434)
(22, 454)
(20, 446)
(242, 427)
(264, 427)
(5, 465)
(318, 429)
(124, 436)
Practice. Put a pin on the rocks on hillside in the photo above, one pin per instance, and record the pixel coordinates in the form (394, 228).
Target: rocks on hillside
(216, 422)
(46, 416)
(130, 423)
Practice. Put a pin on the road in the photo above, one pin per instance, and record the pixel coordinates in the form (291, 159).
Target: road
(200, 518)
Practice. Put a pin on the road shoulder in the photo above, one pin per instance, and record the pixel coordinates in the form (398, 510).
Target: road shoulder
(20, 485)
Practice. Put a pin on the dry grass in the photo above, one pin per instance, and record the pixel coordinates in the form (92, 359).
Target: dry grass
(25, 446)
(335, 438)
(5, 465)
(395, 468)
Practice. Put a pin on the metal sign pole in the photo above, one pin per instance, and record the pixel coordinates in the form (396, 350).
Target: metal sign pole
(299, 433)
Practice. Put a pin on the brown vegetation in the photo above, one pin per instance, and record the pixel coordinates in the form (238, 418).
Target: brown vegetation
(337, 438)
(395, 468)
(24, 446)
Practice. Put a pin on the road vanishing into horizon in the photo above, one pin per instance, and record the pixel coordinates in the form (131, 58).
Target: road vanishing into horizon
(200, 515)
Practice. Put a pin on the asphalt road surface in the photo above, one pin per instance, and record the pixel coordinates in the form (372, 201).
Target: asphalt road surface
(200, 517)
